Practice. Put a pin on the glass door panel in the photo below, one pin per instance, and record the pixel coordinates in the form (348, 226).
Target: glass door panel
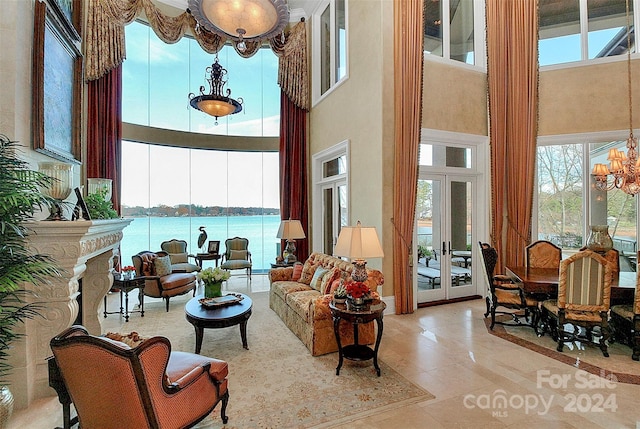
(444, 237)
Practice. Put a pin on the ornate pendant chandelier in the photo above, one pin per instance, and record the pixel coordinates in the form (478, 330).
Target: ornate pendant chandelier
(625, 169)
(216, 103)
(241, 20)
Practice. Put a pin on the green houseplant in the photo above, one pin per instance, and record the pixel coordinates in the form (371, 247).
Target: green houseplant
(20, 196)
(99, 207)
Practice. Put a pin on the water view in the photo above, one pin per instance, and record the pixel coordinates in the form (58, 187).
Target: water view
(146, 233)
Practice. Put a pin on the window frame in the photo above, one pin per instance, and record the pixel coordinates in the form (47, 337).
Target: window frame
(479, 39)
(584, 40)
(316, 41)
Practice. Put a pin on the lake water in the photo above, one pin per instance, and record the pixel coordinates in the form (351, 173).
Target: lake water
(147, 233)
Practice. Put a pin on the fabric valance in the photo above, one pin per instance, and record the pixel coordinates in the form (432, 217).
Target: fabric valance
(105, 43)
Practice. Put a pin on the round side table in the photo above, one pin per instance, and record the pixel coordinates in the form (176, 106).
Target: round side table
(356, 351)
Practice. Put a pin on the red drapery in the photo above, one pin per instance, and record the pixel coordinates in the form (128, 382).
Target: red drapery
(104, 130)
(293, 169)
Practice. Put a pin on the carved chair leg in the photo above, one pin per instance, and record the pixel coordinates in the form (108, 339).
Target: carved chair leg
(488, 302)
(223, 409)
(603, 341)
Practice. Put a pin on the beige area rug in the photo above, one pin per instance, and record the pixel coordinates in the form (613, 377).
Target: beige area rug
(587, 357)
(277, 383)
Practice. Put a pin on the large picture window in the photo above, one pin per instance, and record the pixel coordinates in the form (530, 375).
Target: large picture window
(171, 191)
(567, 203)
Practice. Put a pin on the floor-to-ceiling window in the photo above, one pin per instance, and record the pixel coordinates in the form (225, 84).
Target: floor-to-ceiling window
(568, 203)
(172, 186)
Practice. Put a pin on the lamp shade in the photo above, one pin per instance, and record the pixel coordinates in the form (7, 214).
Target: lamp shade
(358, 242)
(290, 230)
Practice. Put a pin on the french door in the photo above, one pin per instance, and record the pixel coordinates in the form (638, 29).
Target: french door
(444, 236)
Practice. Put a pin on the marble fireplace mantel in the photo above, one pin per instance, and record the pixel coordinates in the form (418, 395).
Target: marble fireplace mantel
(84, 250)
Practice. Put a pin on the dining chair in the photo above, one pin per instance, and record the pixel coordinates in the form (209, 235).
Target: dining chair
(543, 254)
(625, 322)
(584, 292)
(502, 292)
(613, 258)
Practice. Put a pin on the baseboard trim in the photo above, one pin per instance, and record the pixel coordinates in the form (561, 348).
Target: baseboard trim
(448, 301)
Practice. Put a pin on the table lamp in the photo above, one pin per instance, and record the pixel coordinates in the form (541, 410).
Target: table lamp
(290, 230)
(357, 243)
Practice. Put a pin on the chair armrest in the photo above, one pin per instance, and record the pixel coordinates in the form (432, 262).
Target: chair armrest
(189, 377)
(502, 278)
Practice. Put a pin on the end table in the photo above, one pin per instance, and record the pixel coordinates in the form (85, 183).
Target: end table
(126, 285)
(358, 351)
(200, 257)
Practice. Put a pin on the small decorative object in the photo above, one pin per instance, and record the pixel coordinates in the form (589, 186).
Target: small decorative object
(358, 296)
(58, 189)
(599, 239)
(340, 294)
(129, 272)
(202, 238)
(212, 279)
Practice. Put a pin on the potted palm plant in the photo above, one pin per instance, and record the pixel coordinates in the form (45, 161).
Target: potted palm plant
(20, 196)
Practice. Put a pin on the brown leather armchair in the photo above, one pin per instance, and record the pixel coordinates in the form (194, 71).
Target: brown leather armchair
(162, 284)
(115, 386)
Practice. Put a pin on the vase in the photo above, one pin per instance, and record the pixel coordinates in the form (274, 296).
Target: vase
(339, 300)
(599, 239)
(356, 304)
(212, 290)
(6, 406)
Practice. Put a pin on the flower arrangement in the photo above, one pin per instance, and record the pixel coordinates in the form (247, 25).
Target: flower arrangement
(357, 290)
(213, 275)
(128, 269)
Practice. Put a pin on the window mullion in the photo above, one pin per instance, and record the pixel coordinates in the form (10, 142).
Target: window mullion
(584, 30)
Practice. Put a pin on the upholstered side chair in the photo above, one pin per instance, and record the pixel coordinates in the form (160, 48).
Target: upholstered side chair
(543, 254)
(113, 385)
(502, 292)
(177, 250)
(625, 322)
(584, 293)
(160, 281)
(237, 255)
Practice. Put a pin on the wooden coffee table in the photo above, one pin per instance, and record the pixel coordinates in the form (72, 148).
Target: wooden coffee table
(223, 317)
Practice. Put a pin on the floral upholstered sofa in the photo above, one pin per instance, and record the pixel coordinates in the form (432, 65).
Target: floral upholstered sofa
(300, 295)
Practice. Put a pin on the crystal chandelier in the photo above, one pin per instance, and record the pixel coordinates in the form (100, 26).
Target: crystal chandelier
(216, 103)
(625, 169)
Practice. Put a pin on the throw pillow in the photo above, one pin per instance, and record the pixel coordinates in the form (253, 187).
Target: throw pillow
(297, 271)
(163, 265)
(132, 339)
(316, 280)
(237, 254)
(178, 258)
(307, 272)
(147, 264)
(328, 279)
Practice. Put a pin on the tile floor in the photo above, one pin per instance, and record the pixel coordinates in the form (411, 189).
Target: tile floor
(479, 380)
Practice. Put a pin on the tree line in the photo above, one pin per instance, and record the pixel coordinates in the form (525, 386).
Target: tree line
(183, 210)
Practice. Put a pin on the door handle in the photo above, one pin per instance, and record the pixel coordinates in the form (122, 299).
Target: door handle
(450, 251)
(444, 248)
